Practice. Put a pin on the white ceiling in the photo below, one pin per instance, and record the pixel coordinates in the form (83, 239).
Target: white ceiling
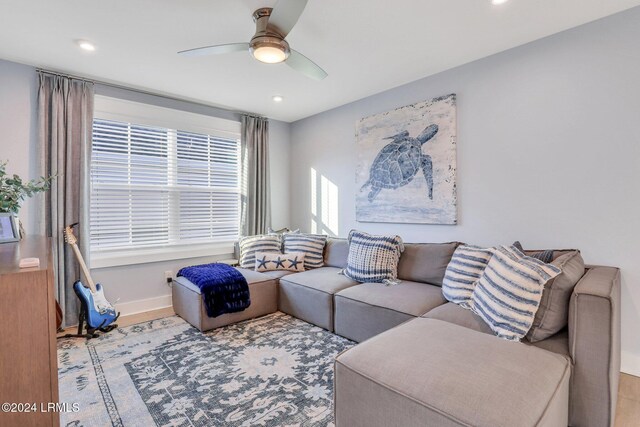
(366, 46)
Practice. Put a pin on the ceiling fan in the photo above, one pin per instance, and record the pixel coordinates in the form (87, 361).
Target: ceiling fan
(268, 44)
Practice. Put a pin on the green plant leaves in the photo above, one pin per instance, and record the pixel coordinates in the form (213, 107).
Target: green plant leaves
(13, 190)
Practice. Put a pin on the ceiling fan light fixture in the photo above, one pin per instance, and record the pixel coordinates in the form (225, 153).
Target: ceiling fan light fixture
(270, 50)
(269, 54)
(268, 44)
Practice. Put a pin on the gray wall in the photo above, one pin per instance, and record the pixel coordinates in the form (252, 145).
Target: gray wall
(18, 127)
(141, 286)
(548, 153)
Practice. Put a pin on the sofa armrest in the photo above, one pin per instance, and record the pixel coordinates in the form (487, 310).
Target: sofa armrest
(594, 345)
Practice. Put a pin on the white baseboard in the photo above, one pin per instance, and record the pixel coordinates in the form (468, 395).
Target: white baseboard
(630, 364)
(142, 305)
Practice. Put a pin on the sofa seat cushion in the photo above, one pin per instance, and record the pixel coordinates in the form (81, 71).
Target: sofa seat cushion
(309, 295)
(325, 279)
(277, 274)
(558, 343)
(407, 297)
(430, 372)
(253, 276)
(369, 309)
(453, 313)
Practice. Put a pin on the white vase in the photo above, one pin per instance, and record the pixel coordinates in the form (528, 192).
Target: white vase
(19, 227)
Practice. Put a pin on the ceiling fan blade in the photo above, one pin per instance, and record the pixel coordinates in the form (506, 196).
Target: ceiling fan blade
(301, 63)
(285, 14)
(215, 50)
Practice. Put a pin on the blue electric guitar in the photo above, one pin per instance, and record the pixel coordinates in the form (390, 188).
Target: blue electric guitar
(99, 313)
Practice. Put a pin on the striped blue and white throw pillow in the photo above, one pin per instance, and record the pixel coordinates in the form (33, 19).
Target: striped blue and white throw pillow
(463, 271)
(280, 233)
(545, 255)
(508, 294)
(311, 244)
(251, 244)
(373, 259)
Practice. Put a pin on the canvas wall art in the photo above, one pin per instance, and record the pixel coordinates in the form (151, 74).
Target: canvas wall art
(406, 169)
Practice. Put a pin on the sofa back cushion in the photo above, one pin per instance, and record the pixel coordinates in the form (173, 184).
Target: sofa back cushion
(553, 313)
(425, 262)
(336, 252)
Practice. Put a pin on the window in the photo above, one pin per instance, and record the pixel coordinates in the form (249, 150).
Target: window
(161, 190)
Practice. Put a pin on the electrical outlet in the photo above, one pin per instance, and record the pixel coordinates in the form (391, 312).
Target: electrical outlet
(168, 276)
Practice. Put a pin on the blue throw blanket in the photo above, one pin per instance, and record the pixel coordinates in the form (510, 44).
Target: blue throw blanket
(223, 288)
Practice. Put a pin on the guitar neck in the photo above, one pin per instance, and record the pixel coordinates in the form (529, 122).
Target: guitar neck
(83, 266)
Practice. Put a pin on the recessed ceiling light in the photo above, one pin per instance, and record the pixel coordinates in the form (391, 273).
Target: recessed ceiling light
(86, 45)
(277, 98)
(497, 2)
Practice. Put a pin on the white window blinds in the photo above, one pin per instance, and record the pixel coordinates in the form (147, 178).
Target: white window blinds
(153, 187)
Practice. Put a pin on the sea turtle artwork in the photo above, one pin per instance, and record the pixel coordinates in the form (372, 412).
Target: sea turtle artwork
(400, 161)
(405, 169)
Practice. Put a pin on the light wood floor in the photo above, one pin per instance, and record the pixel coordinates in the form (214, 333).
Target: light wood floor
(131, 319)
(627, 413)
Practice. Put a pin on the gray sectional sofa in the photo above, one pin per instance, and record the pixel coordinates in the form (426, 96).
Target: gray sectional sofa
(423, 361)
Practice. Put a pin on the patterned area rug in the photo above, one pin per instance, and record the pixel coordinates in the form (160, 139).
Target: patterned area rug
(272, 371)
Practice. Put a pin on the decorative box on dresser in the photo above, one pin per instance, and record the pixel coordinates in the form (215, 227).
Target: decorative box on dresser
(28, 361)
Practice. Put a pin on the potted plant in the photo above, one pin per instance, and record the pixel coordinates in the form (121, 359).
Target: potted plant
(13, 191)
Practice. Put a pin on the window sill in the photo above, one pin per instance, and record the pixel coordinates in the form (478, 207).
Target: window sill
(169, 253)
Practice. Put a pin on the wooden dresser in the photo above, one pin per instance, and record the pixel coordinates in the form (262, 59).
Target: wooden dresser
(28, 361)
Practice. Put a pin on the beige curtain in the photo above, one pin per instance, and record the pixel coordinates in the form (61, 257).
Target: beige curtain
(65, 114)
(255, 209)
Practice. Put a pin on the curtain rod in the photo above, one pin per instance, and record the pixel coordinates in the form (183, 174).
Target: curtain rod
(144, 92)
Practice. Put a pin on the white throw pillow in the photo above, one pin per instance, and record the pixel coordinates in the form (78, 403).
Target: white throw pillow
(269, 261)
(508, 294)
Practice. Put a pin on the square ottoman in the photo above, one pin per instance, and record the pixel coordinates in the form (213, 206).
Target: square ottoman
(188, 303)
(427, 372)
